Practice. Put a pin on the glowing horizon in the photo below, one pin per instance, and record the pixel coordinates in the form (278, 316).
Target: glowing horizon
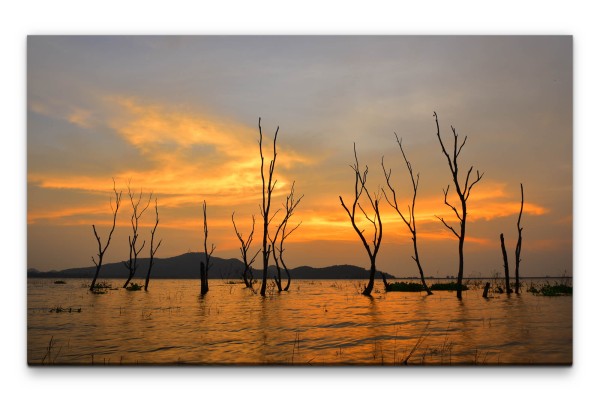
(195, 138)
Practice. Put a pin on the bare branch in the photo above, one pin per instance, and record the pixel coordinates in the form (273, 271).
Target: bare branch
(448, 226)
(449, 205)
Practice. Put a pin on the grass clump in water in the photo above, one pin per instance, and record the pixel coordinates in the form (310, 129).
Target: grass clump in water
(404, 287)
(59, 309)
(101, 287)
(447, 287)
(134, 287)
(548, 290)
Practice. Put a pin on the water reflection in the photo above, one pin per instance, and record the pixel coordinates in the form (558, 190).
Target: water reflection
(317, 322)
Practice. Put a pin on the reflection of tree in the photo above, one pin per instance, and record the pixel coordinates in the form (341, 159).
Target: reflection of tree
(360, 181)
(463, 192)
(102, 249)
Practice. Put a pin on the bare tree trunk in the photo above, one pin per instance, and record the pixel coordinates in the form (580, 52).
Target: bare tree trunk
(410, 222)
(203, 279)
(360, 180)
(267, 191)
(152, 249)
(102, 249)
(463, 192)
(281, 233)
(128, 280)
(204, 266)
(385, 283)
(486, 289)
(247, 274)
(369, 288)
(518, 248)
(136, 214)
(289, 278)
(506, 274)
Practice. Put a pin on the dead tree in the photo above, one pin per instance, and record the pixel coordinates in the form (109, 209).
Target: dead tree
(267, 191)
(518, 247)
(463, 192)
(136, 214)
(410, 222)
(506, 274)
(102, 249)
(247, 275)
(281, 235)
(205, 265)
(360, 180)
(152, 248)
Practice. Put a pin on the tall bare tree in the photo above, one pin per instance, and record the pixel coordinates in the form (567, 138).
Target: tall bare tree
(152, 248)
(518, 248)
(248, 276)
(102, 249)
(136, 214)
(505, 259)
(410, 222)
(281, 235)
(268, 185)
(463, 191)
(205, 265)
(360, 180)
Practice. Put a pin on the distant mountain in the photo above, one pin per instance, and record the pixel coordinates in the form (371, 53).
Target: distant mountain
(187, 266)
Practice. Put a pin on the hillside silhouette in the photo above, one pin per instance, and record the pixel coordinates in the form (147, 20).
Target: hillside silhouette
(186, 266)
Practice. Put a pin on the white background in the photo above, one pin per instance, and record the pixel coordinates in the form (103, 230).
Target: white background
(23, 18)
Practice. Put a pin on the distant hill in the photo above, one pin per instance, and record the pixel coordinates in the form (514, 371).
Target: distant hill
(187, 266)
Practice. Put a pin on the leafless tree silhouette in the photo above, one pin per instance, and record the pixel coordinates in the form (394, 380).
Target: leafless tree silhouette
(463, 192)
(281, 235)
(152, 248)
(410, 222)
(136, 214)
(245, 246)
(518, 248)
(205, 265)
(102, 249)
(360, 188)
(505, 258)
(267, 191)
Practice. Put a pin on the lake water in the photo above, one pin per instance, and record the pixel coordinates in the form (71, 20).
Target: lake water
(316, 322)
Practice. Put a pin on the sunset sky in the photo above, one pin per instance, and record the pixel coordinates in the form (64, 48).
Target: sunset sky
(178, 117)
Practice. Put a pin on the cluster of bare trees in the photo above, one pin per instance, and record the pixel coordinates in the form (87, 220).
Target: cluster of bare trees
(517, 253)
(462, 187)
(137, 210)
(366, 203)
(273, 234)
